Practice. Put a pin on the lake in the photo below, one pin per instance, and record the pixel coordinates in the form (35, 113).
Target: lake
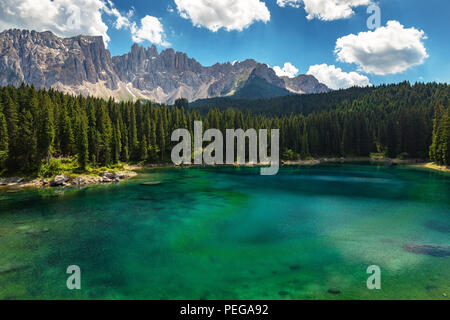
(229, 233)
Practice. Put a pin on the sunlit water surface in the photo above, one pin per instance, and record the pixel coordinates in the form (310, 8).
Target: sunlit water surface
(230, 233)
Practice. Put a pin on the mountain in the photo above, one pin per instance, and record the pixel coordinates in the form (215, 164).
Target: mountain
(304, 84)
(82, 65)
(262, 83)
(45, 60)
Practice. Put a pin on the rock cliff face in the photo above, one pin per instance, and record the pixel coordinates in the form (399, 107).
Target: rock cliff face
(304, 84)
(82, 65)
(46, 60)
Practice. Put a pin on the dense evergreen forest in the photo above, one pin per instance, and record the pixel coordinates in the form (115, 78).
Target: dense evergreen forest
(285, 105)
(396, 120)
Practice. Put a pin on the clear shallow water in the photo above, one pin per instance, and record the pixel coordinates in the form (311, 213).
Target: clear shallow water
(229, 233)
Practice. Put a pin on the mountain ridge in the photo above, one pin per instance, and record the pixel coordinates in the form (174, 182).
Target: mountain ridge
(83, 65)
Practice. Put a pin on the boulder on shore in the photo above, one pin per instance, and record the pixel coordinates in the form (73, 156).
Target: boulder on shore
(63, 180)
(59, 181)
(78, 181)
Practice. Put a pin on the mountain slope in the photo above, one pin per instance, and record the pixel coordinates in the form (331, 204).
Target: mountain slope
(259, 88)
(82, 65)
(304, 84)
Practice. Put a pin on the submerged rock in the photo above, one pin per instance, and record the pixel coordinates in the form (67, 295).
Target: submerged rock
(12, 268)
(295, 267)
(149, 184)
(390, 241)
(13, 191)
(35, 232)
(438, 226)
(23, 227)
(434, 250)
(334, 291)
(19, 222)
(283, 293)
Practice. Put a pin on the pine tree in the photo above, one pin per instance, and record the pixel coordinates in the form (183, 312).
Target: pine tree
(104, 128)
(82, 140)
(162, 139)
(28, 147)
(441, 138)
(67, 139)
(445, 123)
(181, 103)
(10, 111)
(116, 143)
(46, 130)
(93, 135)
(435, 149)
(133, 140)
(4, 145)
(143, 149)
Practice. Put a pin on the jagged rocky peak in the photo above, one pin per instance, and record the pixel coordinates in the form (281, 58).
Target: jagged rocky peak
(305, 84)
(264, 72)
(141, 60)
(45, 60)
(83, 65)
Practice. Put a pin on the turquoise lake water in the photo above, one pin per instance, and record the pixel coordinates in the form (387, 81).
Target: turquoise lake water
(229, 233)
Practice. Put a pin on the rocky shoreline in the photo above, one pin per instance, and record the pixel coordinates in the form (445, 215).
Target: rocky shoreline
(383, 161)
(67, 181)
(116, 177)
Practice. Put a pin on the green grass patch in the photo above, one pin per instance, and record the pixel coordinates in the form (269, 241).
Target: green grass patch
(70, 168)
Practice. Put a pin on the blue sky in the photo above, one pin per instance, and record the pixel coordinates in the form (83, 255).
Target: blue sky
(301, 32)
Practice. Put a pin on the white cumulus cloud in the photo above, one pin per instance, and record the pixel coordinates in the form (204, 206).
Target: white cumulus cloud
(290, 3)
(122, 21)
(288, 70)
(65, 18)
(228, 14)
(334, 78)
(386, 50)
(151, 29)
(326, 10)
